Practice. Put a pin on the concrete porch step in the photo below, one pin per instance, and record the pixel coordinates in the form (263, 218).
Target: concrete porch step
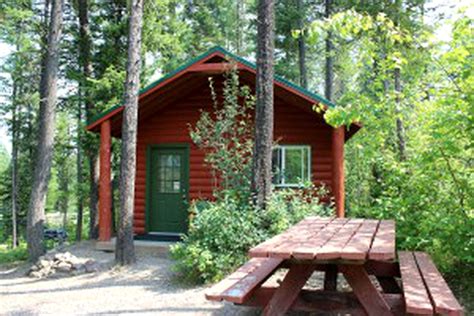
(159, 247)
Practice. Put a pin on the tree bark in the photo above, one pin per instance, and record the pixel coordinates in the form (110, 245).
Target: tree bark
(80, 197)
(302, 46)
(329, 68)
(125, 250)
(262, 155)
(400, 129)
(399, 121)
(85, 44)
(42, 171)
(330, 279)
(65, 194)
(94, 168)
(14, 165)
(240, 30)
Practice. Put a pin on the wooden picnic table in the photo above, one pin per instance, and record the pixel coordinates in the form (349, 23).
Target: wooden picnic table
(335, 244)
(363, 250)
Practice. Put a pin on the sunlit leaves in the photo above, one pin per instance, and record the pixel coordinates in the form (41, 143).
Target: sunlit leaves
(430, 193)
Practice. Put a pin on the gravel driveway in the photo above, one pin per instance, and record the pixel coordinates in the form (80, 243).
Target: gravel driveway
(149, 287)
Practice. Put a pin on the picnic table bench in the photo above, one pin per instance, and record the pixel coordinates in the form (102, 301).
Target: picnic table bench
(363, 250)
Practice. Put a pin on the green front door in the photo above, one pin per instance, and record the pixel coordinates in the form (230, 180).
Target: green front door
(168, 192)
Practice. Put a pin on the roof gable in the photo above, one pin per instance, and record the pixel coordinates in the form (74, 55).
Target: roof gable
(216, 51)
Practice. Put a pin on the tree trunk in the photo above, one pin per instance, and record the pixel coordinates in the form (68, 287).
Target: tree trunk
(125, 251)
(262, 155)
(330, 279)
(399, 122)
(400, 129)
(14, 165)
(85, 44)
(239, 23)
(94, 168)
(65, 195)
(329, 68)
(80, 197)
(302, 46)
(42, 171)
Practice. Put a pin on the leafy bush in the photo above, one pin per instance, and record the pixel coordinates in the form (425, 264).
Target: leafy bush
(222, 231)
(226, 134)
(8, 255)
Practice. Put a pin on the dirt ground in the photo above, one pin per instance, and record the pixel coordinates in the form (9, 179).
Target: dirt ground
(149, 287)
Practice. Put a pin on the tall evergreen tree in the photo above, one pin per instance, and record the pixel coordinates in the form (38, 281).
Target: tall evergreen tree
(262, 155)
(125, 251)
(85, 46)
(48, 99)
(329, 64)
(303, 76)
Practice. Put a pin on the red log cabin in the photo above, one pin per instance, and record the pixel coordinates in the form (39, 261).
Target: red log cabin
(171, 169)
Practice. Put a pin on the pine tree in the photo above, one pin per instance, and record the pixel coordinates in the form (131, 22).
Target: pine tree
(125, 251)
(85, 46)
(262, 155)
(48, 99)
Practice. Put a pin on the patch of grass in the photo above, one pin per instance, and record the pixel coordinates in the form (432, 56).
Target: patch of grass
(9, 255)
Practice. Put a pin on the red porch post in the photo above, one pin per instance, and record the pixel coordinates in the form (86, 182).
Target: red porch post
(105, 194)
(338, 169)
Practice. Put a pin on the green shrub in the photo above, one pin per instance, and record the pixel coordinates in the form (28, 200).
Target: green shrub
(221, 232)
(8, 255)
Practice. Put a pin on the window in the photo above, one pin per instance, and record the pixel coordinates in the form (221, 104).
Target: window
(169, 173)
(291, 165)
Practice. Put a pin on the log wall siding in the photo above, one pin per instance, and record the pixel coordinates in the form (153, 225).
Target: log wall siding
(171, 125)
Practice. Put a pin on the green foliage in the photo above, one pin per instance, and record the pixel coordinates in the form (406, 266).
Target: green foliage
(226, 135)
(218, 238)
(429, 193)
(222, 231)
(4, 159)
(9, 255)
(219, 22)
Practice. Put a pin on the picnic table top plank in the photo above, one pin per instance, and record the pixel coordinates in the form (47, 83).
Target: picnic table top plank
(302, 235)
(416, 297)
(441, 295)
(263, 249)
(358, 246)
(332, 249)
(384, 242)
(309, 248)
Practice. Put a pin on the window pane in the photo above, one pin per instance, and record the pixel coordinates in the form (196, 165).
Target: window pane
(276, 166)
(293, 165)
(177, 161)
(306, 165)
(169, 173)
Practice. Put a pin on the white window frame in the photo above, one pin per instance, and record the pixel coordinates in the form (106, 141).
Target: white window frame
(283, 164)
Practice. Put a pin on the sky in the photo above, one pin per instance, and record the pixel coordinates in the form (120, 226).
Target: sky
(446, 8)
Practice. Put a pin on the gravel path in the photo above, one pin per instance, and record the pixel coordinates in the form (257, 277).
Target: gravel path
(149, 287)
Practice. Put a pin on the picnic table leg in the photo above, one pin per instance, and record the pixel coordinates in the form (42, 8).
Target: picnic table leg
(330, 278)
(365, 291)
(289, 289)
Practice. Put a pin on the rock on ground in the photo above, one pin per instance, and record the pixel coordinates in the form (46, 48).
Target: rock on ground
(56, 264)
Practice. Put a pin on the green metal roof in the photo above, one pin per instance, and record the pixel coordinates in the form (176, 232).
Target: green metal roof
(215, 49)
